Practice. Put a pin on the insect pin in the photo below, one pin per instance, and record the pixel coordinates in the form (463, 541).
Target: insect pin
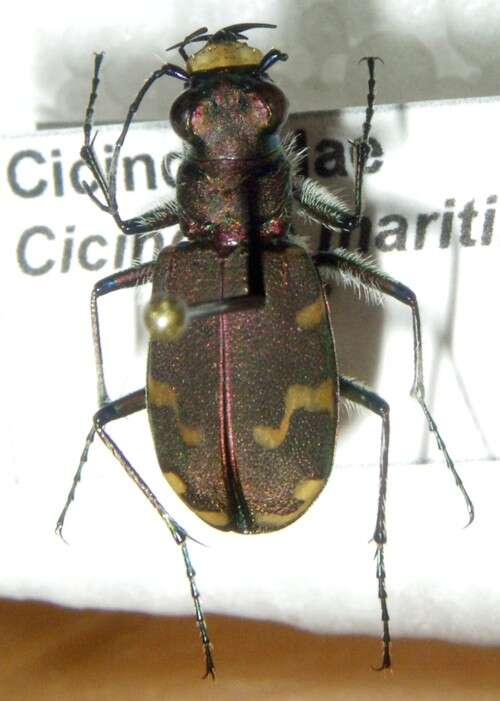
(242, 386)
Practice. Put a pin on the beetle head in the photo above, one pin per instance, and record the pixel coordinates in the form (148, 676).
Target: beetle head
(229, 109)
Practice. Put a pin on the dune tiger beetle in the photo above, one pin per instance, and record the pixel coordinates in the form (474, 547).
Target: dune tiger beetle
(242, 387)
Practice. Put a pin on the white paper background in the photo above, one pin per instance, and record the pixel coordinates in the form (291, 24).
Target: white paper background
(319, 573)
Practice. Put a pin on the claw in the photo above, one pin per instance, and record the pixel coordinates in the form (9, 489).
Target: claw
(210, 669)
(59, 530)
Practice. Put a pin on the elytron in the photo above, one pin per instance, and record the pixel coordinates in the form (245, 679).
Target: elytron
(242, 386)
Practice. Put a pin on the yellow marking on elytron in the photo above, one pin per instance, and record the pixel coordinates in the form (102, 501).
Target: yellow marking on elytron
(218, 519)
(311, 316)
(306, 491)
(161, 394)
(297, 397)
(177, 484)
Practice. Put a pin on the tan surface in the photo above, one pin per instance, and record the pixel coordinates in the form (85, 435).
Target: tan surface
(53, 653)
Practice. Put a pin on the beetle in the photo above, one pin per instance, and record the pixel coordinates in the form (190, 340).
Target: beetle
(245, 439)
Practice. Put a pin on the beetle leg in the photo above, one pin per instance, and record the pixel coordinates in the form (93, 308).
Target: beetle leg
(159, 217)
(364, 272)
(118, 409)
(323, 206)
(361, 146)
(128, 278)
(361, 395)
(139, 275)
